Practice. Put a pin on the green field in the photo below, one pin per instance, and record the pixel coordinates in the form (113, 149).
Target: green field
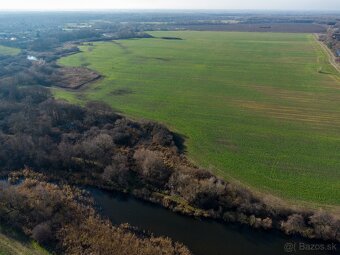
(259, 108)
(16, 244)
(8, 51)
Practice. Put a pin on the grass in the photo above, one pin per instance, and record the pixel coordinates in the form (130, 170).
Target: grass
(13, 243)
(8, 51)
(254, 107)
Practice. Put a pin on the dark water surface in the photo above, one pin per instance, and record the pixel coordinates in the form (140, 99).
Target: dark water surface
(203, 237)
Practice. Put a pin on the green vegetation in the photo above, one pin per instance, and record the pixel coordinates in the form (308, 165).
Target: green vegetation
(16, 244)
(8, 51)
(254, 107)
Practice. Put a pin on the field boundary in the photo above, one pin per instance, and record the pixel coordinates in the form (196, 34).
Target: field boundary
(330, 54)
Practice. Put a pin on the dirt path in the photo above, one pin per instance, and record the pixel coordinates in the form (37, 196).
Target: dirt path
(330, 54)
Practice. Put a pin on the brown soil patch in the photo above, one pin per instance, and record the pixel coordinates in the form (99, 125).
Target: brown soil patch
(269, 27)
(74, 77)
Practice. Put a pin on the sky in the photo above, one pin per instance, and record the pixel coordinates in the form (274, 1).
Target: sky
(332, 5)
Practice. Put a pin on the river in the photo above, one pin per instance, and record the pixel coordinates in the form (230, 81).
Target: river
(203, 237)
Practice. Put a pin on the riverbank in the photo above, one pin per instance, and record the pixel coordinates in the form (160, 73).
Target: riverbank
(201, 236)
(63, 219)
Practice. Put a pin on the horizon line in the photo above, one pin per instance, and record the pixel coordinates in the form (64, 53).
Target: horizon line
(167, 9)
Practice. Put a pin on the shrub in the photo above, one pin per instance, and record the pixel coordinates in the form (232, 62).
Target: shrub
(151, 166)
(42, 233)
(294, 224)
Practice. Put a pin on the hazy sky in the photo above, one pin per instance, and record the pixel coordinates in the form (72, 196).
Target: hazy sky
(171, 4)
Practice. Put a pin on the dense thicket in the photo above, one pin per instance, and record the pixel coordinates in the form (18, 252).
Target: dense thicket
(63, 219)
(92, 145)
(49, 135)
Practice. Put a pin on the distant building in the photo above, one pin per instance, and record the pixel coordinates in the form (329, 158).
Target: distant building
(35, 60)
(32, 58)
